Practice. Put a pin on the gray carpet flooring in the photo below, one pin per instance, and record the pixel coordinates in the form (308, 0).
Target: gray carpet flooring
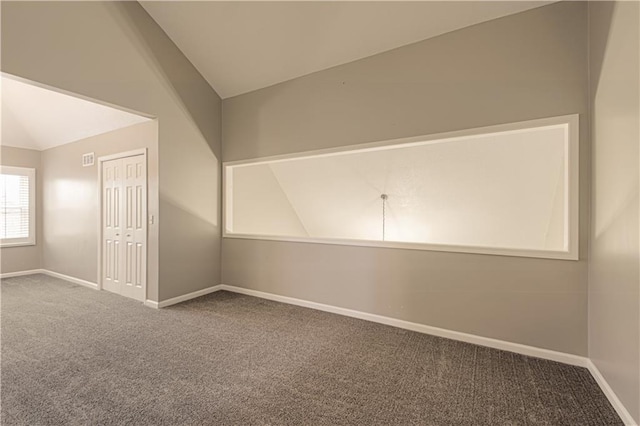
(75, 356)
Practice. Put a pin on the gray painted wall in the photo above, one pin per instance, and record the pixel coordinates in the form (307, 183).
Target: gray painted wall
(115, 52)
(25, 258)
(614, 271)
(71, 199)
(521, 67)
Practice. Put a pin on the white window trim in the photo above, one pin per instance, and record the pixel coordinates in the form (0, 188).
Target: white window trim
(571, 252)
(31, 173)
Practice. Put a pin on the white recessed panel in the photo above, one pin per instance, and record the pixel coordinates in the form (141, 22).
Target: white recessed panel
(495, 190)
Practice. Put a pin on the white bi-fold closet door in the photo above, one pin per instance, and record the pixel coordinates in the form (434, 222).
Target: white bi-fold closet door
(124, 226)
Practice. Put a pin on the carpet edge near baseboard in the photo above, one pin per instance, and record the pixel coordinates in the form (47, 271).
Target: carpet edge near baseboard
(518, 348)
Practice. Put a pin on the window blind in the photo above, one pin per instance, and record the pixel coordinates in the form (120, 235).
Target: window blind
(14, 206)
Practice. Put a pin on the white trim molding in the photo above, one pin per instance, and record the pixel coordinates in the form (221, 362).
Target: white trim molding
(21, 273)
(562, 357)
(183, 298)
(69, 278)
(569, 123)
(610, 394)
(151, 303)
(532, 351)
(518, 348)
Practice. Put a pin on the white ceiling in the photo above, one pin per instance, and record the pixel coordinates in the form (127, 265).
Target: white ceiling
(244, 46)
(37, 118)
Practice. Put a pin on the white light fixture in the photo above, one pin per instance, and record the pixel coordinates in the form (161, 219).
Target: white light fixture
(384, 197)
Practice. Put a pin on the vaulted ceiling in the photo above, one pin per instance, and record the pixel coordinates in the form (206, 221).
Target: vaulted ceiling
(243, 46)
(38, 118)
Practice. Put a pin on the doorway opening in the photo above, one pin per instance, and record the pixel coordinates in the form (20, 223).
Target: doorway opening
(54, 148)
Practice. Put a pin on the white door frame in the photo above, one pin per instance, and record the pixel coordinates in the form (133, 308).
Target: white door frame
(133, 153)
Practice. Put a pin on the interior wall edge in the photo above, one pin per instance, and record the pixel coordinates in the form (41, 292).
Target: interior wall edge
(179, 299)
(613, 275)
(606, 388)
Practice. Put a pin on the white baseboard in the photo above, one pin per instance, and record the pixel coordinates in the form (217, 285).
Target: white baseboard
(70, 278)
(533, 351)
(421, 328)
(610, 394)
(51, 274)
(183, 298)
(21, 273)
(151, 303)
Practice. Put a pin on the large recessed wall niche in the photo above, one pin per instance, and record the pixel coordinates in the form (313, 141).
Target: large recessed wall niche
(509, 189)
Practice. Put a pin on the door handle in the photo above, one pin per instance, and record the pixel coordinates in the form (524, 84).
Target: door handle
(128, 235)
(117, 235)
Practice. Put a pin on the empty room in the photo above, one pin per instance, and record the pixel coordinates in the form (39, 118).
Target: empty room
(320, 213)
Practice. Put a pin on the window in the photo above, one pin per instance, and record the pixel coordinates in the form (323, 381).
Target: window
(17, 206)
(506, 190)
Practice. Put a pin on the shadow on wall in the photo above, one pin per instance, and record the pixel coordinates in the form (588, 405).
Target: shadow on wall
(194, 188)
(597, 52)
(630, 199)
(189, 160)
(204, 249)
(187, 83)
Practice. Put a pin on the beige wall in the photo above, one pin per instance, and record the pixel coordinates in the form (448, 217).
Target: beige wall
(521, 67)
(261, 206)
(71, 200)
(114, 52)
(25, 258)
(614, 273)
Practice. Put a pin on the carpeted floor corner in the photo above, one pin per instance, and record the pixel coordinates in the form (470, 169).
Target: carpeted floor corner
(75, 356)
